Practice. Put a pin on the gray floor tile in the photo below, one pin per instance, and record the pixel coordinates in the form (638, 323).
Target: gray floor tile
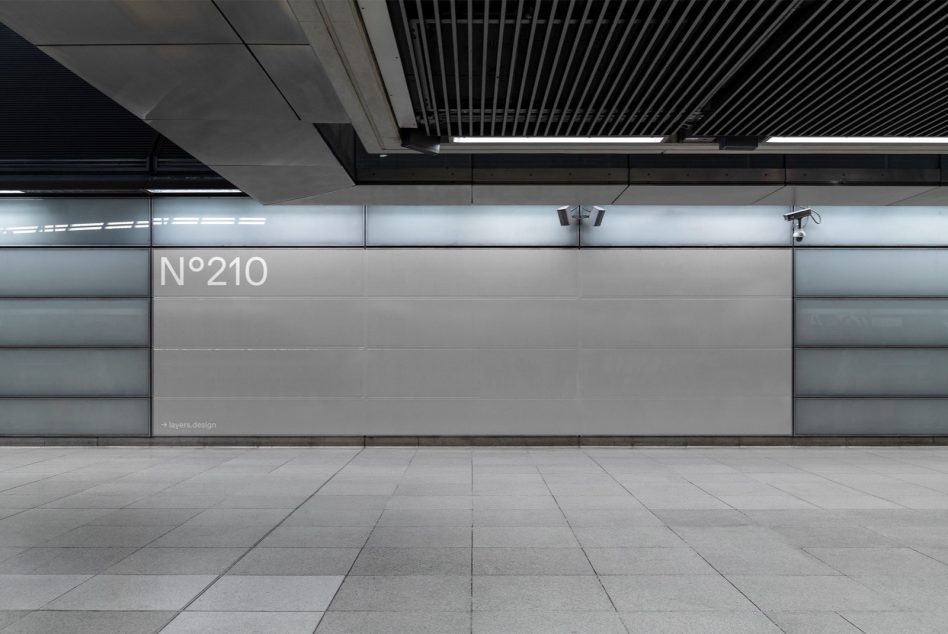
(64, 561)
(109, 536)
(621, 517)
(897, 622)
(671, 593)
(413, 561)
(630, 537)
(808, 593)
(212, 536)
(547, 593)
(535, 622)
(145, 517)
(332, 517)
(604, 502)
(752, 550)
(519, 517)
(420, 537)
(133, 592)
(268, 594)
(525, 502)
(9, 617)
(243, 623)
(395, 623)
(429, 502)
(905, 592)
(177, 561)
(648, 561)
(524, 537)
(31, 592)
(296, 561)
(317, 537)
(812, 623)
(699, 623)
(531, 561)
(880, 561)
(79, 622)
(404, 594)
(425, 517)
(238, 517)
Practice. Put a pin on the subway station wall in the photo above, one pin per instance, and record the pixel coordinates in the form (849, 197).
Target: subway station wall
(471, 342)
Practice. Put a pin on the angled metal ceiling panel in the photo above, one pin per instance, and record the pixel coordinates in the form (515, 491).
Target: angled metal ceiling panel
(700, 68)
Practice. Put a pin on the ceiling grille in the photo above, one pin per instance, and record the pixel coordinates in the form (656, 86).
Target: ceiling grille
(667, 67)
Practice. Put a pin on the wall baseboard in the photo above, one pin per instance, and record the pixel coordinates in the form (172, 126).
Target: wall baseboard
(471, 441)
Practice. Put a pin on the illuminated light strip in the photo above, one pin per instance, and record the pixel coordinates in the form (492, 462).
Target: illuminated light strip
(870, 140)
(193, 191)
(252, 221)
(217, 221)
(86, 226)
(185, 221)
(11, 191)
(532, 140)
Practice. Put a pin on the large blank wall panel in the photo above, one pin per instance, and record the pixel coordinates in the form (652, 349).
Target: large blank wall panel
(472, 342)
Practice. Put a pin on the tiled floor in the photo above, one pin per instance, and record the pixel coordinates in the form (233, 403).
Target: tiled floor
(486, 540)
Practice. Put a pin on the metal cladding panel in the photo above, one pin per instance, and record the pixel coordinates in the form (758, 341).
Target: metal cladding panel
(471, 341)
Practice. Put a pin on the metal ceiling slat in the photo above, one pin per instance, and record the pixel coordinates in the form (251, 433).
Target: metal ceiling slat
(741, 91)
(654, 61)
(588, 46)
(632, 54)
(441, 63)
(777, 120)
(556, 57)
(414, 67)
(829, 42)
(593, 117)
(729, 66)
(518, 113)
(501, 27)
(486, 29)
(470, 67)
(935, 124)
(513, 67)
(539, 66)
(677, 65)
(892, 65)
(564, 73)
(595, 68)
(427, 58)
(772, 80)
(457, 68)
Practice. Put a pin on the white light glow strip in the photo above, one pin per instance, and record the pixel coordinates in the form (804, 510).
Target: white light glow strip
(861, 140)
(194, 191)
(552, 140)
(11, 191)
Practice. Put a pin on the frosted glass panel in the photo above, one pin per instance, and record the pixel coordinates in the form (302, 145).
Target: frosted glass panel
(479, 225)
(74, 322)
(76, 372)
(245, 222)
(73, 272)
(872, 372)
(871, 416)
(74, 417)
(73, 221)
(871, 322)
(879, 226)
(872, 272)
(645, 225)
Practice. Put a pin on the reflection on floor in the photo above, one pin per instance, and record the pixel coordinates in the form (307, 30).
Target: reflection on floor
(485, 540)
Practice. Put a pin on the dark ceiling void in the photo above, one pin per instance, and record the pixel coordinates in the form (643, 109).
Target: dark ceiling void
(57, 131)
(675, 68)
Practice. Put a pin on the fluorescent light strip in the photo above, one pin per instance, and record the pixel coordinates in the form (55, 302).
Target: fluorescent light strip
(11, 191)
(867, 140)
(194, 191)
(552, 140)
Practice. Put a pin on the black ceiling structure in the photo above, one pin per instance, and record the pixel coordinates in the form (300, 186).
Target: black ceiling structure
(675, 68)
(59, 133)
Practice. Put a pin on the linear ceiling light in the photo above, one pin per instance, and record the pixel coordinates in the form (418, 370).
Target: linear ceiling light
(871, 140)
(11, 191)
(194, 191)
(554, 140)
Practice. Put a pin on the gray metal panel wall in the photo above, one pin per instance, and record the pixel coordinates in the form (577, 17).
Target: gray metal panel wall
(473, 341)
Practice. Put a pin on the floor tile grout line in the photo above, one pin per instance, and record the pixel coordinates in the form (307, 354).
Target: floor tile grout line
(767, 616)
(583, 549)
(365, 543)
(265, 535)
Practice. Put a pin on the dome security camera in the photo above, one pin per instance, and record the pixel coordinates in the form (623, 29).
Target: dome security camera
(799, 234)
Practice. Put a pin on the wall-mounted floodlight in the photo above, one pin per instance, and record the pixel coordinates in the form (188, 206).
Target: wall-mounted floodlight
(800, 217)
(600, 214)
(563, 213)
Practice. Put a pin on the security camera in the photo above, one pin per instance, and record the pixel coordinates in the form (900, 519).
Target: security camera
(799, 234)
(798, 214)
